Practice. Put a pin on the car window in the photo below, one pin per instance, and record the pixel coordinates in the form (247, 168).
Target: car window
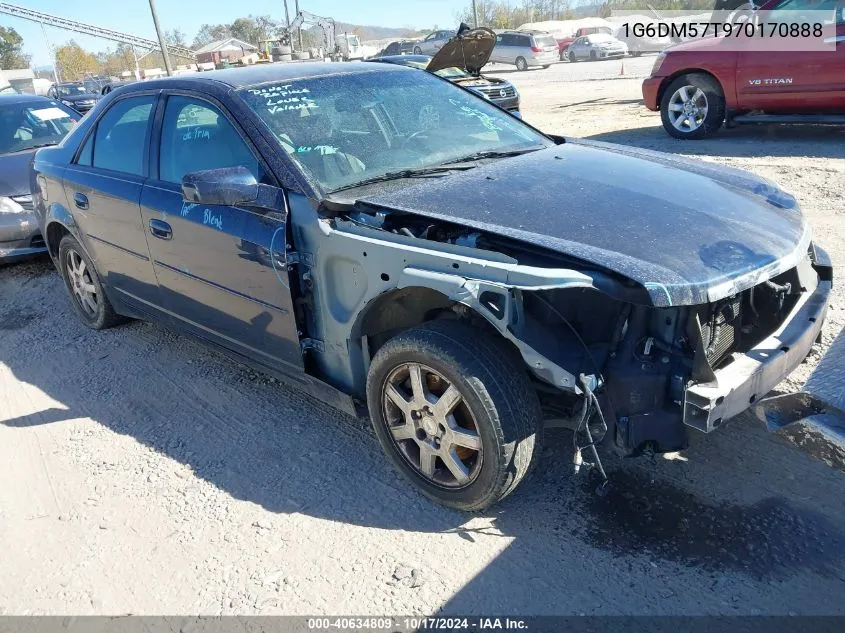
(541, 41)
(782, 11)
(86, 156)
(195, 136)
(430, 36)
(120, 135)
(34, 124)
(345, 128)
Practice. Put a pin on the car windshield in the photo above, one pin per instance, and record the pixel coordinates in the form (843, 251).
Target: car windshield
(350, 127)
(27, 125)
(70, 90)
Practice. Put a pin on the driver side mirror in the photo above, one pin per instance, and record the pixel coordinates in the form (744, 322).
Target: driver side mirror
(231, 187)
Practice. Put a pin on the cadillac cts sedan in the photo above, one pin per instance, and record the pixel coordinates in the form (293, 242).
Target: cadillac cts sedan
(471, 282)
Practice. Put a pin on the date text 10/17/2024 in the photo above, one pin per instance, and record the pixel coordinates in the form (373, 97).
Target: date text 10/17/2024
(416, 624)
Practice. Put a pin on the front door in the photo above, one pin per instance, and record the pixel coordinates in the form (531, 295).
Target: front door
(221, 269)
(103, 189)
(791, 81)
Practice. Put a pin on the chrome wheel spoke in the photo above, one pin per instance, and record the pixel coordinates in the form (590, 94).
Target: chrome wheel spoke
(447, 402)
(683, 94)
(465, 437)
(397, 399)
(697, 94)
(89, 301)
(676, 107)
(428, 459)
(458, 469)
(403, 432)
(417, 388)
(89, 288)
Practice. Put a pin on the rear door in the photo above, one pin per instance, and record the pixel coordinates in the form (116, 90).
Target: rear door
(791, 81)
(103, 188)
(221, 269)
(503, 51)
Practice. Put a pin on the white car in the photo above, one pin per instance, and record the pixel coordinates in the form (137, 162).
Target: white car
(596, 46)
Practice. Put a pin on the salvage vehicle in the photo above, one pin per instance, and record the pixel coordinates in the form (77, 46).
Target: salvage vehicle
(27, 122)
(460, 61)
(74, 95)
(699, 85)
(471, 283)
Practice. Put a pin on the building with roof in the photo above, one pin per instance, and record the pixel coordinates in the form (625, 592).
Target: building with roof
(231, 49)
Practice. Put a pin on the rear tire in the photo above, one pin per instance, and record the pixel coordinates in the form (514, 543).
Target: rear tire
(706, 114)
(82, 281)
(521, 64)
(490, 389)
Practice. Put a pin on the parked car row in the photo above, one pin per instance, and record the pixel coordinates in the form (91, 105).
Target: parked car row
(518, 48)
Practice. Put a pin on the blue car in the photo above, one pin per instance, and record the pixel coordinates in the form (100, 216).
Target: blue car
(468, 281)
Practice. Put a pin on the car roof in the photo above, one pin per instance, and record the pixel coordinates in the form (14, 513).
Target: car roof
(23, 98)
(268, 73)
(402, 59)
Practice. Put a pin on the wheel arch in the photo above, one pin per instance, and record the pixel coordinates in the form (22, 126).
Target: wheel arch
(58, 223)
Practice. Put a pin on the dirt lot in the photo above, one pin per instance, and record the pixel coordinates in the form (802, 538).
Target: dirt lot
(143, 473)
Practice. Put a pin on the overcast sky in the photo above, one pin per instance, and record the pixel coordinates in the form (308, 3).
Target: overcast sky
(133, 16)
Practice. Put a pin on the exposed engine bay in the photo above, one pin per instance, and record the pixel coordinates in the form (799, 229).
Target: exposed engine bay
(633, 362)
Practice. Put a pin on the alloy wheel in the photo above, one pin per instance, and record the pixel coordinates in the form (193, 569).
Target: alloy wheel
(688, 109)
(81, 283)
(431, 424)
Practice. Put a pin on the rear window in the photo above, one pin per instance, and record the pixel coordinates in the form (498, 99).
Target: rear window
(544, 41)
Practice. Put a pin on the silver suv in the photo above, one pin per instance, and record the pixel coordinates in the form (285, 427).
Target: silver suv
(433, 42)
(525, 50)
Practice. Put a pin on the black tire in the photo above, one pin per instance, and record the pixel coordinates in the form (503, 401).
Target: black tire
(715, 100)
(417, 50)
(636, 53)
(547, 66)
(572, 59)
(521, 64)
(593, 56)
(104, 315)
(494, 387)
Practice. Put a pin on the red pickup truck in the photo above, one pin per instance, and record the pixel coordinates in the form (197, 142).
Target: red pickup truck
(699, 85)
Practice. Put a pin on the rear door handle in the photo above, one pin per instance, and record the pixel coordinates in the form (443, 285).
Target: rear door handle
(161, 229)
(80, 200)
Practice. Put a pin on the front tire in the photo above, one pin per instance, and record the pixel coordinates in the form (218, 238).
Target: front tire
(692, 107)
(521, 64)
(455, 412)
(417, 50)
(87, 296)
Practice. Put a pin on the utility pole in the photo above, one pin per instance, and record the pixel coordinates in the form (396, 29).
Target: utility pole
(299, 30)
(475, 13)
(160, 39)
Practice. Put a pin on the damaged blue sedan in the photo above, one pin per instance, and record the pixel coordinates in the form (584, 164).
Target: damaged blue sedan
(472, 282)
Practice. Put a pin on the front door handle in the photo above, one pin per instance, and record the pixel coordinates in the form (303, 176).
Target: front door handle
(161, 229)
(80, 200)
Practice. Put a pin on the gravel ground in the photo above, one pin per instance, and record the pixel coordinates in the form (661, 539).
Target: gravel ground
(146, 474)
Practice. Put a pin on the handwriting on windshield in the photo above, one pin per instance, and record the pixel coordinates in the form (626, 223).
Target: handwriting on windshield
(485, 119)
(284, 98)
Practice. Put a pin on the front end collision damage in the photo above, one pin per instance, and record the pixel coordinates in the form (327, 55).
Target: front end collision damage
(644, 361)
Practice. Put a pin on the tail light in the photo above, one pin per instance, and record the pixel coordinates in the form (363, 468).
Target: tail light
(536, 49)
